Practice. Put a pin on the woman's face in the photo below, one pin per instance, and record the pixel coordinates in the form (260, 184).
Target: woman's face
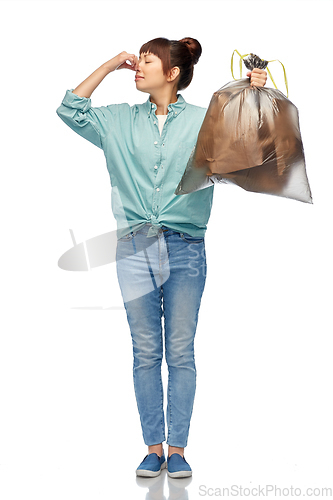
(149, 75)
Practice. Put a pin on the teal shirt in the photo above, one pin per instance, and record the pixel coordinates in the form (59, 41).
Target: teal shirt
(144, 166)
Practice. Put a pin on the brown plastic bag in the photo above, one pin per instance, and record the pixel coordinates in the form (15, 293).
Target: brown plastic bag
(250, 136)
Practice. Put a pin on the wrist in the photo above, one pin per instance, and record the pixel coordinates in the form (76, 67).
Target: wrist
(111, 65)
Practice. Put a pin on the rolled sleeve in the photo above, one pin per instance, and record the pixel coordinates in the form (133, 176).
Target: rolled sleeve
(91, 123)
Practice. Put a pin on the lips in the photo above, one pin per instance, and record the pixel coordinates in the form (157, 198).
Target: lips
(137, 77)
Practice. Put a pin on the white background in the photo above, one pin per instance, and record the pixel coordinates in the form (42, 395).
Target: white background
(263, 409)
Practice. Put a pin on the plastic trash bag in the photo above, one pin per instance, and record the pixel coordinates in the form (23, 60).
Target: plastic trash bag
(250, 137)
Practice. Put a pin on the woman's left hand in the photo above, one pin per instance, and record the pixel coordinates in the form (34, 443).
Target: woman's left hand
(258, 77)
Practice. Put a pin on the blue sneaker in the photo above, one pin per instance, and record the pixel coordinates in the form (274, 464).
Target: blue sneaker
(178, 467)
(151, 465)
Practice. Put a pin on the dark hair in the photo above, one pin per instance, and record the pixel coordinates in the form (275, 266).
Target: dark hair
(183, 53)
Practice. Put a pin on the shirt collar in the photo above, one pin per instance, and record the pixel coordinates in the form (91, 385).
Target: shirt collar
(175, 107)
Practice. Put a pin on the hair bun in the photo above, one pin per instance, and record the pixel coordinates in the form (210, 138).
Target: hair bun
(194, 47)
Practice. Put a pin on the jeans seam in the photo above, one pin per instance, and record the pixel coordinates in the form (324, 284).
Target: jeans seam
(161, 351)
(169, 404)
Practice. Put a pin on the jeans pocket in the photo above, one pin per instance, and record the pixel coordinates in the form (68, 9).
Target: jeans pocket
(127, 237)
(191, 239)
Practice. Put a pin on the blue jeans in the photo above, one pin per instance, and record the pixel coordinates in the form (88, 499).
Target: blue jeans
(166, 278)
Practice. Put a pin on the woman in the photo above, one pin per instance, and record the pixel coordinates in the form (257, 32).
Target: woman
(161, 261)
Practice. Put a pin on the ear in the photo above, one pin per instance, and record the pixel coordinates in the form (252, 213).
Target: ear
(173, 74)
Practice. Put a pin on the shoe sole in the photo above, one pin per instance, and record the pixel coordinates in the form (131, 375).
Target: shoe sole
(181, 473)
(150, 473)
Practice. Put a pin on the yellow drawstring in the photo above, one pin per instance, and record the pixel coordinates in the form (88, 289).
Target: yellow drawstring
(268, 71)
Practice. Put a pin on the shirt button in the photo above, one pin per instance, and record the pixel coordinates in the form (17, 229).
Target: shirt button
(154, 123)
(162, 144)
(175, 112)
(156, 143)
(157, 189)
(155, 167)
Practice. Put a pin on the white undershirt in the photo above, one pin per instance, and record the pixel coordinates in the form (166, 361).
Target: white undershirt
(161, 121)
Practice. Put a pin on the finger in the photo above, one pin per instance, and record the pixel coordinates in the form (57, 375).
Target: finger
(259, 79)
(125, 65)
(136, 60)
(258, 83)
(130, 62)
(131, 66)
